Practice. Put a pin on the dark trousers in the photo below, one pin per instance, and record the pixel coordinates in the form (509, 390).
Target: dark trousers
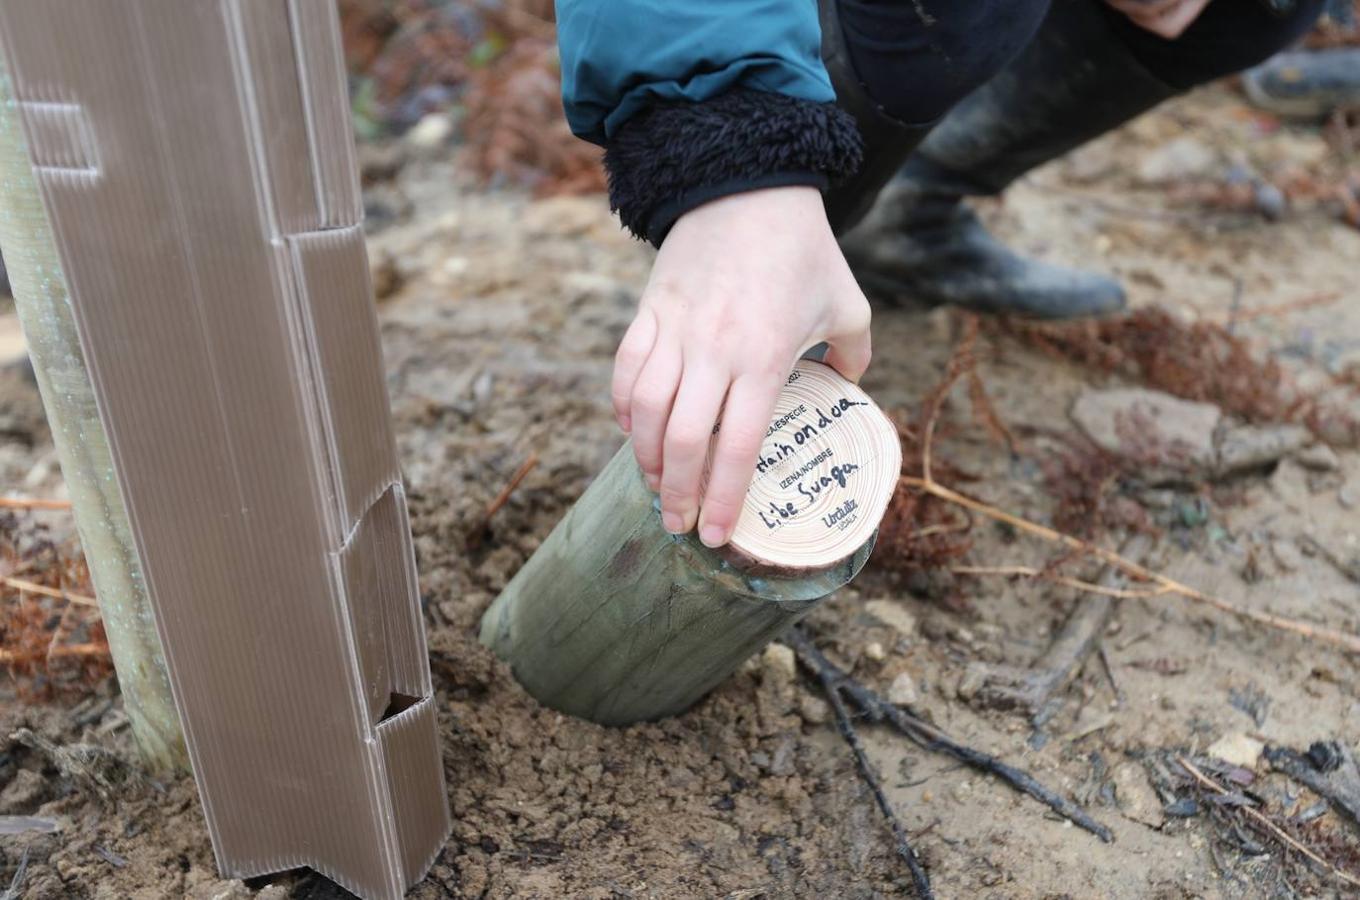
(917, 58)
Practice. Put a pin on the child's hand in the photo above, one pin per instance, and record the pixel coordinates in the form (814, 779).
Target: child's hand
(741, 288)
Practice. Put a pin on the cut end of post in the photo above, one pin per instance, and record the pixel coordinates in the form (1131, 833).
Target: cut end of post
(827, 471)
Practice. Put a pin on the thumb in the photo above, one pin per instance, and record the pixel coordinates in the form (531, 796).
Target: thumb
(850, 351)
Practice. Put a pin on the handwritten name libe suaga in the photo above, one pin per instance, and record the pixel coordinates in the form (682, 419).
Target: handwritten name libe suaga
(808, 484)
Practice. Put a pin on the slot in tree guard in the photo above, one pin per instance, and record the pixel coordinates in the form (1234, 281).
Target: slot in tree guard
(196, 167)
(617, 621)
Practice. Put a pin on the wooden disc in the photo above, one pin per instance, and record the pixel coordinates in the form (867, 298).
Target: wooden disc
(828, 467)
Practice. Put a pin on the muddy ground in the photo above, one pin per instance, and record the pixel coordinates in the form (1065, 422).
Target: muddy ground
(498, 344)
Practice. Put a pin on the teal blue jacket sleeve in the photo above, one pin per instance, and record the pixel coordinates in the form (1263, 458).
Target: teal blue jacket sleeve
(622, 56)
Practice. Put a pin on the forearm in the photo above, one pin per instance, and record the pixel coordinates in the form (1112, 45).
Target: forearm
(701, 99)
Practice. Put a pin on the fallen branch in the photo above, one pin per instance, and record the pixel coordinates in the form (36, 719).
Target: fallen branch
(1168, 585)
(1270, 826)
(28, 503)
(1033, 689)
(878, 710)
(55, 593)
(831, 684)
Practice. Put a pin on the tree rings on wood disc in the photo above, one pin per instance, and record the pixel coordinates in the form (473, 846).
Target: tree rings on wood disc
(828, 467)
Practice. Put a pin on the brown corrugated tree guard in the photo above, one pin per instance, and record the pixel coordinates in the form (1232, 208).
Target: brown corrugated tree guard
(182, 218)
(617, 621)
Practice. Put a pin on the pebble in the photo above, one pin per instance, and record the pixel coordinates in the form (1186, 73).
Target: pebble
(875, 651)
(1256, 446)
(972, 681)
(902, 691)
(1319, 458)
(779, 662)
(892, 614)
(431, 132)
(220, 890)
(1237, 749)
(814, 710)
(1137, 800)
(1287, 554)
(1348, 497)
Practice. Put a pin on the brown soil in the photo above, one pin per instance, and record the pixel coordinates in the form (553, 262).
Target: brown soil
(499, 344)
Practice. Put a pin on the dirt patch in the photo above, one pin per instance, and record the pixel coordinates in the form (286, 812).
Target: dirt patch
(498, 345)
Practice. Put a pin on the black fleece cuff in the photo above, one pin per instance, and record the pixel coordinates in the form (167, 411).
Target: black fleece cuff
(673, 157)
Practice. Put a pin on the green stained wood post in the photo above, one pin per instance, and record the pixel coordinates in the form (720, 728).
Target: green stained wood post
(44, 311)
(617, 621)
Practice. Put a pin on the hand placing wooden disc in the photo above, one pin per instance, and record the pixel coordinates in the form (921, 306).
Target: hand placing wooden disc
(828, 467)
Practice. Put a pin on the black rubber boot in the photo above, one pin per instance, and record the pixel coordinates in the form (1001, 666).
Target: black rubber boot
(1073, 82)
(887, 141)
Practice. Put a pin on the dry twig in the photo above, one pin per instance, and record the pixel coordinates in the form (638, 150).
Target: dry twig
(1275, 830)
(1065, 580)
(504, 496)
(1134, 570)
(32, 503)
(35, 588)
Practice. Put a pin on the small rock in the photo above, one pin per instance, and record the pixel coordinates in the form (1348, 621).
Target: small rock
(894, 615)
(1319, 458)
(874, 650)
(902, 691)
(1255, 446)
(1137, 800)
(1237, 749)
(1348, 497)
(1178, 160)
(220, 890)
(1287, 555)
(1150, 427)
(972, 681)
(778, 661)
(814, 710)
(431, 132)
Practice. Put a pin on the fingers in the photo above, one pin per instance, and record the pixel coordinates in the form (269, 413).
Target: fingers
(688, 435)
(650, 407)
(749, 409)
(632, 355)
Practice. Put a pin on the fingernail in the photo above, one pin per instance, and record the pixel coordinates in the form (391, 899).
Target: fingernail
(673, 522)
(712, 536)
(626, 423)
(653, 483)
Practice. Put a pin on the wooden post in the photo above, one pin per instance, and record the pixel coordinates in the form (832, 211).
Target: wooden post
(44, 310)
(617, 621)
